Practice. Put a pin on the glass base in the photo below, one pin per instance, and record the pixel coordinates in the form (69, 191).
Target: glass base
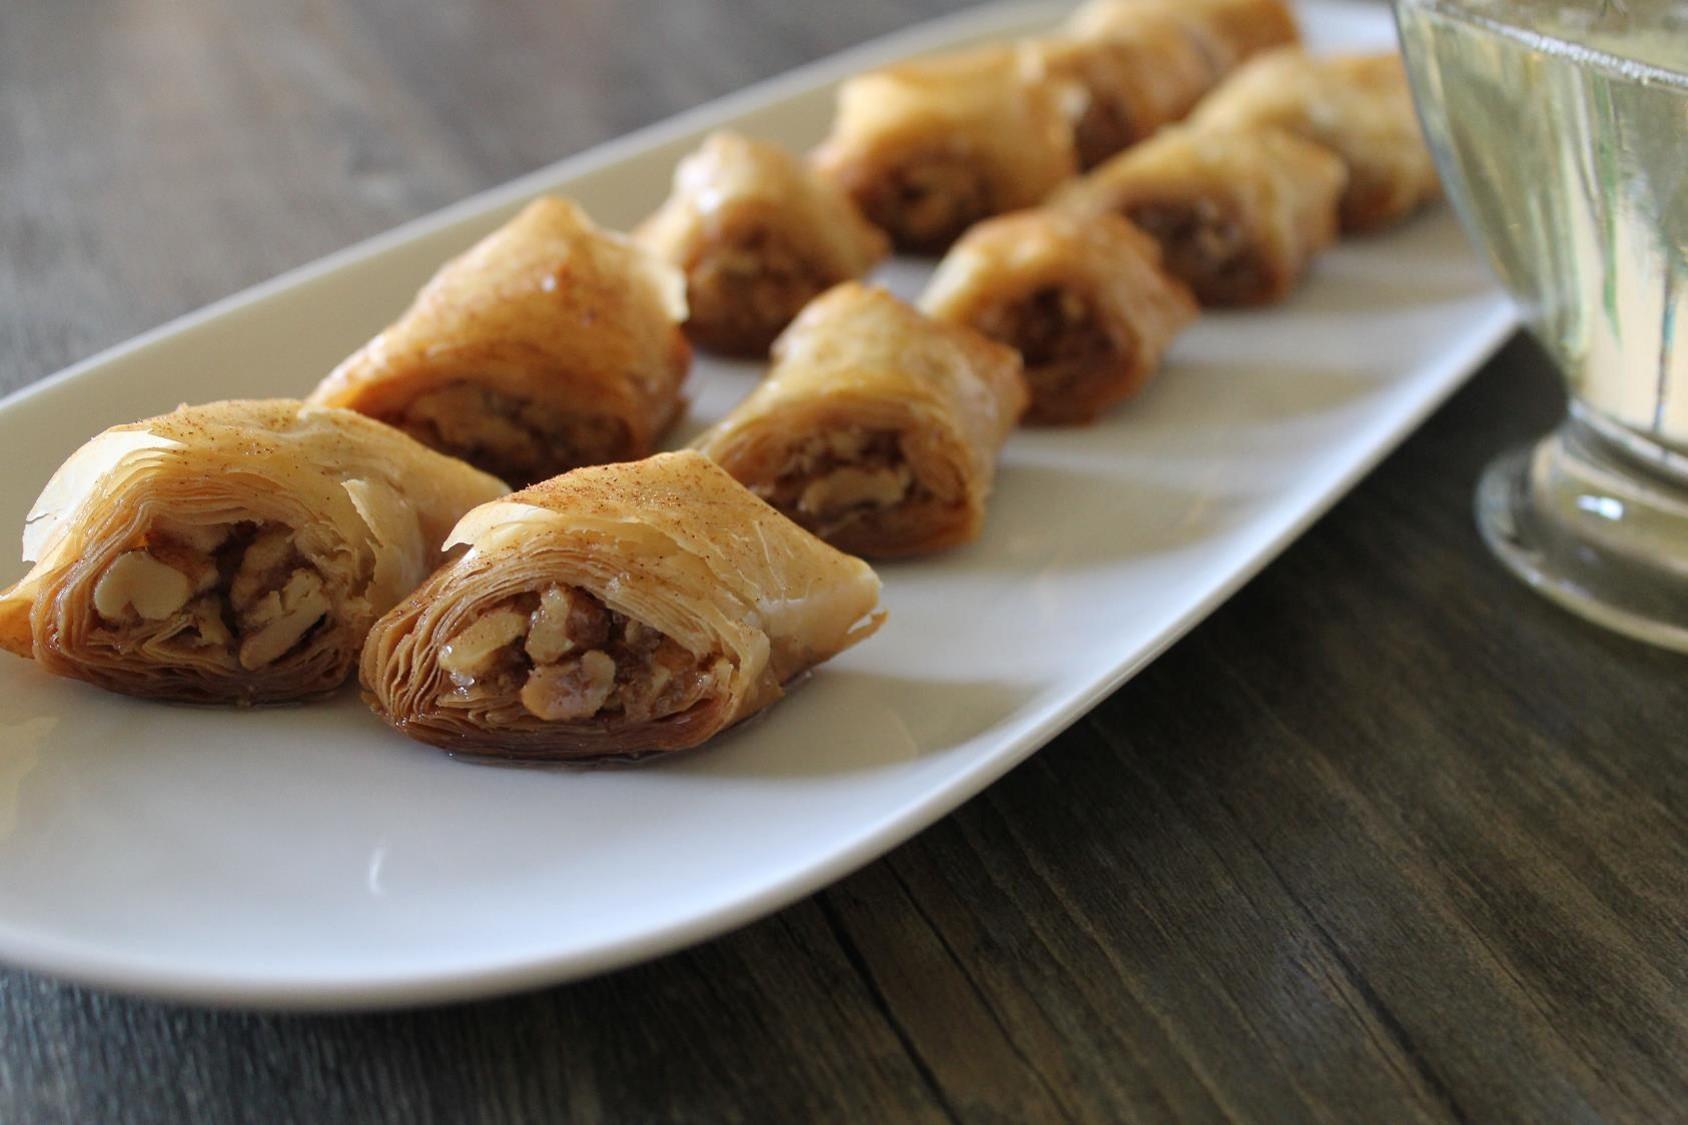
(1596, 518)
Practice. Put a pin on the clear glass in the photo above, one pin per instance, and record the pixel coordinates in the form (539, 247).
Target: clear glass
(1561, 131)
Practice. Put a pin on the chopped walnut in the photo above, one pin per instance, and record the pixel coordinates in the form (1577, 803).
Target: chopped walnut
(472, 650)
(1205, 249)
(576, 689)
(136, 585)
(206, 613)
(927, 201)
(846, 444)
(671, 684)
(263, 567)
(199, 567)
(515, 439)
(567, 619)
(881, 486)
(829, 475)
(242, 589)
(280, 619)
(639, 636)
(563, 655)
(1064, 346)
(202, 537)
(743, 291)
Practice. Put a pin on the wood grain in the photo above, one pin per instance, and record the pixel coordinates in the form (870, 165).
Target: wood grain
(1387, 838)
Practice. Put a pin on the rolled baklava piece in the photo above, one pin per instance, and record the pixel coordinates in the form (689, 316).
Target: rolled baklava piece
(1084, 301)
(928, 148)
(1238, 215)
(1242, 27)
(1149, 69)
(878, 427)
(757, 233)
(1358, 106)
(236, 552)
(550, 344)
(613, 613)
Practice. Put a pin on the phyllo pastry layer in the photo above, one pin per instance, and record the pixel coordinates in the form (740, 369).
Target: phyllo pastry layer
(1238, 215)
(1358, 106)
(1084, 301)
(878, 427)
(757, 233)
(1148, 69)
(235, 552)
(550, 344)
(1244, 27)
(614, 612)
(927, 148)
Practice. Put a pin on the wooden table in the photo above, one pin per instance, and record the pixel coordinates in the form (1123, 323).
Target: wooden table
(1387, 838)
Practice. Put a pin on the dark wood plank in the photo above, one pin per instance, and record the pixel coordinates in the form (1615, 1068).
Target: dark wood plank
(158, 154)
(1387, 838)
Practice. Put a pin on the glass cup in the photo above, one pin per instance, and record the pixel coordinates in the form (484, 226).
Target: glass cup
(1560, 128)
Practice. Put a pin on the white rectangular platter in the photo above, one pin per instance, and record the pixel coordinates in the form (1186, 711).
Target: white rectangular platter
(308, 857)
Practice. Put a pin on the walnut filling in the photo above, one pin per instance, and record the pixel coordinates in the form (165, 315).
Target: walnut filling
(744, 292)
(514, 439)
(239, 593)
(1060, 340)
(566, 657)
(925, 202)
(1052, 325)
(1104, 129)
(835, 478)
(1205, 249)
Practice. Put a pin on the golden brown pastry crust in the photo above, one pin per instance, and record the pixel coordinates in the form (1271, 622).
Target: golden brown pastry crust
(757, 232)
(1244, 27)
(1147, 69)
(549, 344)
(1358, 106)
(878, 428)
(614, 612)
(1084, 301)
(235, 552)
(1238, 215)
(927, 148)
